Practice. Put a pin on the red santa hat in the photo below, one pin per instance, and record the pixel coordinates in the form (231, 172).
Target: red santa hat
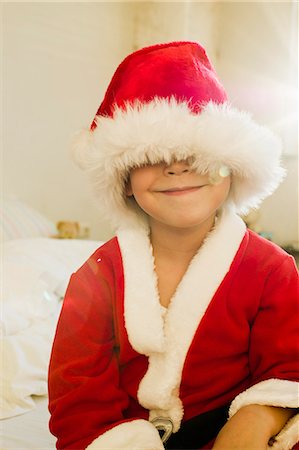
(166, 102)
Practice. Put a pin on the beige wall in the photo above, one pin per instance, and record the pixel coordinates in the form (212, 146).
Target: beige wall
(59, 58)
(170, 21)
(258, 61)
(58, 61)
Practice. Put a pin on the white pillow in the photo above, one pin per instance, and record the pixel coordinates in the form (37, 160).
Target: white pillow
(18, 221)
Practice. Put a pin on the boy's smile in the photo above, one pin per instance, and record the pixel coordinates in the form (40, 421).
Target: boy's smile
(176, 195)
(181, 190)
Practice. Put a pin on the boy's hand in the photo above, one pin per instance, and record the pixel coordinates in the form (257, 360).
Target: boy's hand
(251, 428)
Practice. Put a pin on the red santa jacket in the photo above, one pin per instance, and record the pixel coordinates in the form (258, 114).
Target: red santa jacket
(229, 336)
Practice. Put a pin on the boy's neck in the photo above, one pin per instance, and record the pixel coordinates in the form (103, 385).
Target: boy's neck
(173, 250)
(176, 242)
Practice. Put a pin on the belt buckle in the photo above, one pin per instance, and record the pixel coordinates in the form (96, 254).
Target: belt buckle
(164, 425)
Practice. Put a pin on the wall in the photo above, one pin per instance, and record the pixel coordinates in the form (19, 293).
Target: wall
(58, 59)
(157, 22)
(258, 62)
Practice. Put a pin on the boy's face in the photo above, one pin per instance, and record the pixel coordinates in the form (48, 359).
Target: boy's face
(175, 195)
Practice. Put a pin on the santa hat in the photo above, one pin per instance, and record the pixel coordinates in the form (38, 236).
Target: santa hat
(166, 102)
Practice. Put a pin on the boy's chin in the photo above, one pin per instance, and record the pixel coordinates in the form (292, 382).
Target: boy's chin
(185, 223)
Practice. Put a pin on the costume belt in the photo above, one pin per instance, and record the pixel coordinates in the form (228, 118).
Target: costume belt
(194, 432)
(164, 425)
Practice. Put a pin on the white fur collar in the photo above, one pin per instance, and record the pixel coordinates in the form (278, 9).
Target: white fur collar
(167, 343)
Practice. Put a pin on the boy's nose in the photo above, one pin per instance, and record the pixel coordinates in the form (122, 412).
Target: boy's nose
(177, 168)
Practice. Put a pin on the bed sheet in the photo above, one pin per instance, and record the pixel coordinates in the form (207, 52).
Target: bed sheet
(28, 431)
(34, 276)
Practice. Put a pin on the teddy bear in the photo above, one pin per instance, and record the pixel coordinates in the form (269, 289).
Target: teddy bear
(67, 229)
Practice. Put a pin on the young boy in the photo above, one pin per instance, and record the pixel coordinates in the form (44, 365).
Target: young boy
(185, 319)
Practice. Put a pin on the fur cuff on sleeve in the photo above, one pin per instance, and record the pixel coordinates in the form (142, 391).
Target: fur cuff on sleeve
(135, 435)
(273, 392)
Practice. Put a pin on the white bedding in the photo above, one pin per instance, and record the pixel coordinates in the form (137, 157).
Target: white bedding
(35, 274)
(28, 431)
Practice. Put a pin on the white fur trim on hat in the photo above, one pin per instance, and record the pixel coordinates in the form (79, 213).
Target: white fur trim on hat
(134, 435)
(274, 392)
(165, 128)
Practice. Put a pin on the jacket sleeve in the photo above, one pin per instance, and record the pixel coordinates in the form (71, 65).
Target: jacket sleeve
(273, 353)
(86, 402)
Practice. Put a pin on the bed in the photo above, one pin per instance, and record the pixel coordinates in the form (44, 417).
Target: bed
(35, 272)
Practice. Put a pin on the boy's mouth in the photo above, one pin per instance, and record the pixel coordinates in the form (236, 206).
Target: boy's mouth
(180, 190)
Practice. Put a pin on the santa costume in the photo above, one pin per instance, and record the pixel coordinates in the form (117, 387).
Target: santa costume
(126, 373)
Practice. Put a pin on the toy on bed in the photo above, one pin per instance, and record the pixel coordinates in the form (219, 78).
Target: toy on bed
(36, 270)
(67, 229)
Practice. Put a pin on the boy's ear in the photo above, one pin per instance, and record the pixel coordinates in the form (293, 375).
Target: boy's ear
(128, 189)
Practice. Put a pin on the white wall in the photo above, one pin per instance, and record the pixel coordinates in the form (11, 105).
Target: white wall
(157, 22)
(59, 58)
(258, 62)
(58, 61)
